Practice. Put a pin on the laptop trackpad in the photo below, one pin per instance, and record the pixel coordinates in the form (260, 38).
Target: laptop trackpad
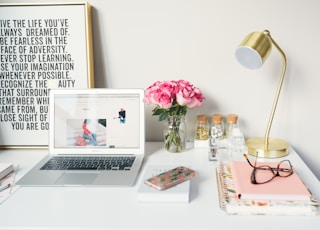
(77, 178)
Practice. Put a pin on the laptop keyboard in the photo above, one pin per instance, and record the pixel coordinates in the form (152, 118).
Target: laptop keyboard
(89, 163)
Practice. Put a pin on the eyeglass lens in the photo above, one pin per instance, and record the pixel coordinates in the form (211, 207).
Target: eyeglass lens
(265, 173)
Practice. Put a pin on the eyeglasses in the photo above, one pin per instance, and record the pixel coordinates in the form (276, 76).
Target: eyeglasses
(264, 173)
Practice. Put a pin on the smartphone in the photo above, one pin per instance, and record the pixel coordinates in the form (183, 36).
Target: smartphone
(171, 178)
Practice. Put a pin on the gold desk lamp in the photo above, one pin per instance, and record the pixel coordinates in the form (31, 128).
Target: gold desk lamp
(252, 53)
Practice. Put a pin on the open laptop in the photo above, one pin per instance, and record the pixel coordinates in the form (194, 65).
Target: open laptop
(89, 124)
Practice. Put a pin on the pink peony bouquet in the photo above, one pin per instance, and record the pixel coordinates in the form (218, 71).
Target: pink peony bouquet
(172, 98)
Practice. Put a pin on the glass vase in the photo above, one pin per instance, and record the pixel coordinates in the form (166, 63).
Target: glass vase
(175, 134)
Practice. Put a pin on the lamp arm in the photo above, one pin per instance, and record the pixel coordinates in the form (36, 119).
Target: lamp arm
(275, 102)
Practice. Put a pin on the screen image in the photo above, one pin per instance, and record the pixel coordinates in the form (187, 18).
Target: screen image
(87, 132)
(96, 121)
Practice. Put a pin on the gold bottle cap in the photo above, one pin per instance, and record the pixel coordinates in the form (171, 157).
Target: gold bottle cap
(217, 119)
(232, 118)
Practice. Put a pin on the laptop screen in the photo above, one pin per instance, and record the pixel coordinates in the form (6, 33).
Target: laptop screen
(97, 119)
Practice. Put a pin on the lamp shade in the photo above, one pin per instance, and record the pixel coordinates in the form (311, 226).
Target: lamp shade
(254, 50)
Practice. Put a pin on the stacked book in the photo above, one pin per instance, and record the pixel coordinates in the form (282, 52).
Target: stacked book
(280, 196)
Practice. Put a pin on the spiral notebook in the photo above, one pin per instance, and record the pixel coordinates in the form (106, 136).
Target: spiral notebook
(229, 202)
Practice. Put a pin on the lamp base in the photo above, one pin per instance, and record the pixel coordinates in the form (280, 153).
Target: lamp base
(276, 147)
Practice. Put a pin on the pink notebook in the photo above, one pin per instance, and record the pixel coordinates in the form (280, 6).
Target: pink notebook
(280, 188)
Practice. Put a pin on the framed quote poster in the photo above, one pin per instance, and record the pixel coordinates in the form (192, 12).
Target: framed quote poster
(42, 47)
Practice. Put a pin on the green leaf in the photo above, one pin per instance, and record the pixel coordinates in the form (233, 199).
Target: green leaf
(157, 111)
(163, 116)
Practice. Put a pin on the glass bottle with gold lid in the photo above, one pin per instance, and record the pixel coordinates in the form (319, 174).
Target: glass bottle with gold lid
(202, 127)
(217, 129)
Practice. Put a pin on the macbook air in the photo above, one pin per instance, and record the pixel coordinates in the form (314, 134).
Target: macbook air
(96, 138)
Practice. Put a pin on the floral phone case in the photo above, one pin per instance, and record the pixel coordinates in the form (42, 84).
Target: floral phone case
(170, 178)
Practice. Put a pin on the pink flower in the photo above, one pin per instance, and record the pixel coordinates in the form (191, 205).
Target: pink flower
(173, 97)
(151, 92)
(160, 93)
(182, 84)
(190, 96)
(196, 99)
(164, 99)
(170, 86)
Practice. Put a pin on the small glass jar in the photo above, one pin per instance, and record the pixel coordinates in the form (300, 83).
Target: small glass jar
(202, 127)
(217, 129)
(232, 122)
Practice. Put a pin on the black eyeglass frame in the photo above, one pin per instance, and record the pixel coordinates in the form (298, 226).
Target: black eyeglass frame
(275, 171)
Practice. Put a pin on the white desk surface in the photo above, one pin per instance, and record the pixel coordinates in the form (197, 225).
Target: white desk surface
(118, 208)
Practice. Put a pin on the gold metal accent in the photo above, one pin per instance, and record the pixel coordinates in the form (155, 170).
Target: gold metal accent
(259, 42)
(267, 147)
(275, 147)
(89, 40)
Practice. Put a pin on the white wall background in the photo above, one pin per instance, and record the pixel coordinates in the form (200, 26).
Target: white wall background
(137, 42)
